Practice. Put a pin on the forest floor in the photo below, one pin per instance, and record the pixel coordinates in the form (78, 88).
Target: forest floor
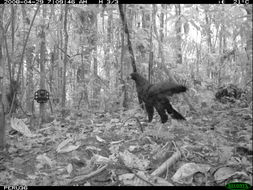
(213, 147)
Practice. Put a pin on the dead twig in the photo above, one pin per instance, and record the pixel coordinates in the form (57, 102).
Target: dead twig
(92, 174)
(167, 164)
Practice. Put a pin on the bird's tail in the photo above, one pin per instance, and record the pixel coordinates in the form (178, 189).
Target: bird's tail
(177, 89)
(166, 88)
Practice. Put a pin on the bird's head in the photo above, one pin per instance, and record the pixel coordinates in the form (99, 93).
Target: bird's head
(139, 80)
(135, 75)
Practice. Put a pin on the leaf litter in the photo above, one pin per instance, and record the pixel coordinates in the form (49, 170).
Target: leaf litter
(214, 147)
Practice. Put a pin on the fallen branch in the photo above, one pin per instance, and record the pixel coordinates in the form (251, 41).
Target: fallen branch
(85, 177)
(173, 159)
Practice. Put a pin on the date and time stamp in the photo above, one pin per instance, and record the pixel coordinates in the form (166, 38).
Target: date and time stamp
(102, 1)
(238, 2)
(60, 1)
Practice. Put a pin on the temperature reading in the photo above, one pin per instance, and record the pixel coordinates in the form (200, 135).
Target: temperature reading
(241, 2)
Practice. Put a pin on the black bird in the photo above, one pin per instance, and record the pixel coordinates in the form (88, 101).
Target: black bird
(156, 95)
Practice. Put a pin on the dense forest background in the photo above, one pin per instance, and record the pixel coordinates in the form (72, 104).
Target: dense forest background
(80, 55)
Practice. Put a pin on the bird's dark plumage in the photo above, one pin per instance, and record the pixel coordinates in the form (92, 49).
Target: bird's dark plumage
(156, 95)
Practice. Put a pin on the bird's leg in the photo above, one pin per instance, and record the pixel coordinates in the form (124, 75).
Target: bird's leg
(174, 114)
(162, 113)
(141, 102)
(150, 111)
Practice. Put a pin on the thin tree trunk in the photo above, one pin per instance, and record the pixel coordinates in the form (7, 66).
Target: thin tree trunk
(42, 62)
(178, 35)
(65, 59)
(2, 114)
(248, 77)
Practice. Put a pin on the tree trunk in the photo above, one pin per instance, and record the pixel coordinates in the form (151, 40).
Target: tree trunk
(178, 34)
(2, 114)
(249, 44)
(209, 42)
(65, 60)
(42, 62)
